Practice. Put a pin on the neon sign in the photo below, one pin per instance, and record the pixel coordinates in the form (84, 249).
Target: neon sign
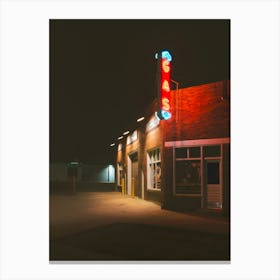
(163, 82)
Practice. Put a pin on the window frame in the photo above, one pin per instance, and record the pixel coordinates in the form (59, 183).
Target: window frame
(202, 158)
(120, 168)
(149, 169)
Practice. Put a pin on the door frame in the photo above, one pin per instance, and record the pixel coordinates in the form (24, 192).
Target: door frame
(129, 171)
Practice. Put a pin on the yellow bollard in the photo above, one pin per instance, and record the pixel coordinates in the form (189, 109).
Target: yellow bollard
(123, 186)
(132, 187)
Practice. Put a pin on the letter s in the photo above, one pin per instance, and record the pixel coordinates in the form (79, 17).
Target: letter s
(165, 104)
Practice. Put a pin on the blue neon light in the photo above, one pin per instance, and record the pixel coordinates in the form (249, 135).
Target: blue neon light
(156, 114)
(166, 115)
(166, 55)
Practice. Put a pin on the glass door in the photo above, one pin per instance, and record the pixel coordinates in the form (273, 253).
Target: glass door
(214, 185)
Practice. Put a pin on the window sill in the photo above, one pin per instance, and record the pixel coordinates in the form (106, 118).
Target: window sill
(153, 190)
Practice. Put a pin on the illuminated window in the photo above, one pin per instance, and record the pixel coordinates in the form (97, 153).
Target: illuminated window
(153, 169)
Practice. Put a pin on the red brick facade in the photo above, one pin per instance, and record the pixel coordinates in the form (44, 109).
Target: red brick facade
(200, 119)
(202, 113)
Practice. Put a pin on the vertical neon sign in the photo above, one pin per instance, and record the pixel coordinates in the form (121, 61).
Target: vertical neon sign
(163, 83)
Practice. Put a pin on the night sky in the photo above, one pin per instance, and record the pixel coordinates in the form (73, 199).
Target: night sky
(102, 76)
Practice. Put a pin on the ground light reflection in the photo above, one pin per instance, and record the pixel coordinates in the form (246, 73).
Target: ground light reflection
(109, 226)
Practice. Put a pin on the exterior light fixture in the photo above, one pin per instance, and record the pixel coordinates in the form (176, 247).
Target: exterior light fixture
(140, 119)
(113, 144)
(121, 137)
(126, 132)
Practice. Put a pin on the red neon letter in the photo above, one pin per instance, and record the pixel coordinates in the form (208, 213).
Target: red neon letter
(165, 104)
(165, 66)
(165, 86)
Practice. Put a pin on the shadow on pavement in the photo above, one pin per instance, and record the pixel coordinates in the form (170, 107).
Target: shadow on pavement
(128, 242)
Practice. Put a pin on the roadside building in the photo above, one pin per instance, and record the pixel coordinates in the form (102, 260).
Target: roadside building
(88, 177)
(182, 163)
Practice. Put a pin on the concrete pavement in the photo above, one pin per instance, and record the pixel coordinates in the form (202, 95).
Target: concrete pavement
(124, 228)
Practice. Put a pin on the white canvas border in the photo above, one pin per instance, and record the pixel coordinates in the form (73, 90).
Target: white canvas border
(254, 132)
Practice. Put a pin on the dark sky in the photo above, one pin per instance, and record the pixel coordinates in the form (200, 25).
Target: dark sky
(102, 76)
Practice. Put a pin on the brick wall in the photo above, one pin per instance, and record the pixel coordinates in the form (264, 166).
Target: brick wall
(199, 112)
(202, 112)
(120, 156)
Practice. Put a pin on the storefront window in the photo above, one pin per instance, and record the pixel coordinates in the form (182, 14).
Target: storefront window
(188, 178)
(181, 152)
(188, 172)
(154, 169)
(194, 152)
(191, 152)
(212, 151)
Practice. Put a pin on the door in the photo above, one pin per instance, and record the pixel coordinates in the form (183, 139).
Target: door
(132, 179)
(214, 184)
(134, 173)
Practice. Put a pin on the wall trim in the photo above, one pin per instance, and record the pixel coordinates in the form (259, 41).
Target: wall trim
(197, 142)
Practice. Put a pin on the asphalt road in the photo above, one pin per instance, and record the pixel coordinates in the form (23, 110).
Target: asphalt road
(106, 226)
